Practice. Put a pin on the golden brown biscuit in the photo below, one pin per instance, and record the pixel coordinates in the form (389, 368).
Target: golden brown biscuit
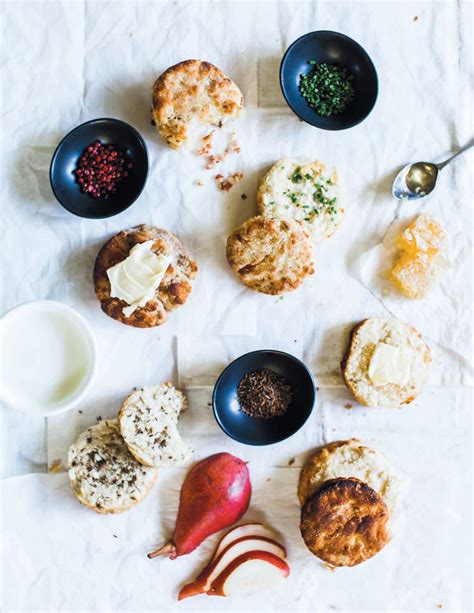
(193, 90)
(345, 522)
(410, 351)
(349, 459)
(272, 256)
(174, 289)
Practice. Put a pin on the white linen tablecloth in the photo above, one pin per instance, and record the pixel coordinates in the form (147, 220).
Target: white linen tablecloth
(69, 61)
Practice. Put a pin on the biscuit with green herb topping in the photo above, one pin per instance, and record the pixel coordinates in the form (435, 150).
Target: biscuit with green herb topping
(302, 191)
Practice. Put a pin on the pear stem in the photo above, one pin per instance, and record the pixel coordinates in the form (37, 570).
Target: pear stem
(169, 548)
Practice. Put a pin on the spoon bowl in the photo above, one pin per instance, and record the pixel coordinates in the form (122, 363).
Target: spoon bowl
(415, 181)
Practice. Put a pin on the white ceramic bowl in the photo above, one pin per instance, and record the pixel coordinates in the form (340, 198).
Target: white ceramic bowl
(48, 358)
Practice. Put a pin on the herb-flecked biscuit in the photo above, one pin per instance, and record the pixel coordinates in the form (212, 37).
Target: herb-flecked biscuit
(349, 459)
(193, 90)
(148, 421)
(345, 522)
(391, 335)
(103, 473)
(272, 256)
(173, 290)
(302, 191)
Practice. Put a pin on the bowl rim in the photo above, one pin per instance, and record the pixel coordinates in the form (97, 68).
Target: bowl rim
(287, 98)
(81, 125)
(299, 362)
(87, 332)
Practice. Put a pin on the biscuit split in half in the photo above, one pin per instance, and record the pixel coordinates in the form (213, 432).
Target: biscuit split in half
(173, 290)
(271, 256)
(193, 90)
(103, 473)
(345, 522)
(386, 363)
(302, 191)
(148, 421)
(348, 497)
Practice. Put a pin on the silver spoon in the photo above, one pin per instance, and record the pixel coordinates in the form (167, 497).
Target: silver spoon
(418, 180)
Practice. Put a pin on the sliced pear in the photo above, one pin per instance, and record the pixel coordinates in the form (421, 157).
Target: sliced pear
(250, 572)
(218, 564)
(254, 529)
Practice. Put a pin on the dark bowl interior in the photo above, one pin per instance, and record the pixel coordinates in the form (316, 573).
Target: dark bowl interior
(253, 431)
(331, 48)
(64, 162)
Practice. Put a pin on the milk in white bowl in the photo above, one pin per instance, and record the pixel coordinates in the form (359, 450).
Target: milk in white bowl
(47, 357)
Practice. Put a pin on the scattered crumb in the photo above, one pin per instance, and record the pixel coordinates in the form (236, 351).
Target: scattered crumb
(153, 122)
(415, 18)
(348, 406)
(115, 536)
(212, 160)
(291, 462)
(56, 467)
(243, 196)
(80, 411)
(329, 567)
(269, 479)
(295, 341)
(99, 418)
(206, 144)
(234, 145)
(439, 606)
(209, 404)
(227, 184)
(199, 182)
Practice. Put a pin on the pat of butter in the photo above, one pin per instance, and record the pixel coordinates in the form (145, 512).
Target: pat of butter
(390, 364)
(136, 278)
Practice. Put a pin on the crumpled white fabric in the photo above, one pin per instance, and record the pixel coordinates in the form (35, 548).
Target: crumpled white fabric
(67, 62)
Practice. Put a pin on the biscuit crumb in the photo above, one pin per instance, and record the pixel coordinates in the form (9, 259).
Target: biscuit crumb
(206, 144)
(227, 184)
(348, 405)
(243, 196)
(439, 606)
(56, 467)
(415, 18)
(269, 479)
(329, 567)
(79, 411)
(115, 536)
(99, 418)
(199, 182)
(291, 462)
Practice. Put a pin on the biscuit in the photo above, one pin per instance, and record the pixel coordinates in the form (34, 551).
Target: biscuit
(345, 522)
(148, 421)
(302, 191)
(104, 475)
(349, 459)
(193, 90)
(272, 256)
(174, 289)
(366, 337)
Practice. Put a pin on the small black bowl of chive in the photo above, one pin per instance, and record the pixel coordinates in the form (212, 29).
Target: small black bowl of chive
(328, 80)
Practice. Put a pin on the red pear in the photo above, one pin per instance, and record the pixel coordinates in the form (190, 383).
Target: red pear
(214, 495)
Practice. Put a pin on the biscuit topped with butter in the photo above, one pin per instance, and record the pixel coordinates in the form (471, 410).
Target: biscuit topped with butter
(142, 274)
(386, 363)
(302, 191)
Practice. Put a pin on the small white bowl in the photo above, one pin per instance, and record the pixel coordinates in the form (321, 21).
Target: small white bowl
(48, 358)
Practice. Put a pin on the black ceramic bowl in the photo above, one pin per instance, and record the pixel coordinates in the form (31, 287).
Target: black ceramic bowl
(251, 430)
(331, 48)
(64, 162)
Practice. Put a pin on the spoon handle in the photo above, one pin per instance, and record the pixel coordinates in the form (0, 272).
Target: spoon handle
(462, 150)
